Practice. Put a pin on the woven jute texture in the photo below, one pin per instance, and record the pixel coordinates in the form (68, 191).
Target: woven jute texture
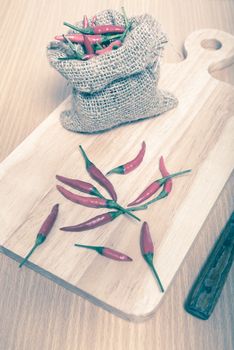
(117, 87)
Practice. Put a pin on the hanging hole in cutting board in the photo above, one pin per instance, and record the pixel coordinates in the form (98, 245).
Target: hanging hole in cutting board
(223, 70)
(211, 44)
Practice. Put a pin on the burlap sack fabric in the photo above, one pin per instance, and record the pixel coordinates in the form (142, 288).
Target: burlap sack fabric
(117, 87)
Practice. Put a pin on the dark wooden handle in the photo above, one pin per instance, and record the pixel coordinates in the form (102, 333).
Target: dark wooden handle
(210, 281)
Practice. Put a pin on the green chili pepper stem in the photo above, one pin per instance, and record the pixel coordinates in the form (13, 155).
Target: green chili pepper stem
(118, 170)
(157, 277)
(115, 214)
(77, 29)
(39, 240)
(126, 211)
(68, 58)
(72, 26)
(29, 254)
(125, 16)
(141, 207)
(114, 205)
(98, 46)
(164, 179)
(149, 259)
(97, 249)
(96, 193)
(88, 163)
(125, 32)
(110, 37)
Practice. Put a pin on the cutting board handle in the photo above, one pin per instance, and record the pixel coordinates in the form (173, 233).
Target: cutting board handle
(214, 47)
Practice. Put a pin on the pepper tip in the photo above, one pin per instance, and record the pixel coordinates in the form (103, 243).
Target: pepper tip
(58, 187)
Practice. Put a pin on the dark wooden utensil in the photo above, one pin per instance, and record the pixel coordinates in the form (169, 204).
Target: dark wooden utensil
(208, 286)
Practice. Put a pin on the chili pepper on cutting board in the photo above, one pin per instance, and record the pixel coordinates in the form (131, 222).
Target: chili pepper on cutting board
(131, 165)
(97, 175)
(43, 231)
(107, 252)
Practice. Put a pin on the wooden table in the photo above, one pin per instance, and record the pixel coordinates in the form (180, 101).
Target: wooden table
(35, 312)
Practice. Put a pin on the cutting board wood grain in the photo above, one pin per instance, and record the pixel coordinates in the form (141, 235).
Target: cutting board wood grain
(198, 134)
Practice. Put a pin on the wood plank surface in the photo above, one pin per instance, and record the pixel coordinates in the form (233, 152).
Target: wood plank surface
(14, 128)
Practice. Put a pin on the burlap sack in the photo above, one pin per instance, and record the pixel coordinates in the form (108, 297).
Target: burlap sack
(117, 87)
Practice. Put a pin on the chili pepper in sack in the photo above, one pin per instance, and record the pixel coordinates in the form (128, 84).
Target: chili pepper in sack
(94, 222)
(93, 202)
(88, 46)
(80, 185)
(97, 175)
(79, 38)
(114, 45)
(93, 22)
(43, 231)
(85, 22)
(154, 187)
(101, 29)
(132, 165)
(107, 252)
(147, 249)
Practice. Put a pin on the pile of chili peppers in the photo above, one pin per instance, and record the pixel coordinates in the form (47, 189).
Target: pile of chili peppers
(98, 200)
(95, 39)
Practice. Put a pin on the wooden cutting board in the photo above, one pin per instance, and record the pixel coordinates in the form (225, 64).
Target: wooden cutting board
(198, 134)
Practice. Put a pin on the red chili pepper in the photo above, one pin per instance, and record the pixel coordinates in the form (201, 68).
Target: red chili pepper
(132, 165)
(93, 202)
(147, 249)
(80, 185)
(162, 167)
(164, 193)
(88, 46)
(115, 44)
(93, 22)
(107, 252)
(85, 22)
(154, 187)
(168, 184)
(102, 29)
(97, 175)
(147, 193)
(96, 221)
(79, 38)
(43, 231)
(107, 29)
